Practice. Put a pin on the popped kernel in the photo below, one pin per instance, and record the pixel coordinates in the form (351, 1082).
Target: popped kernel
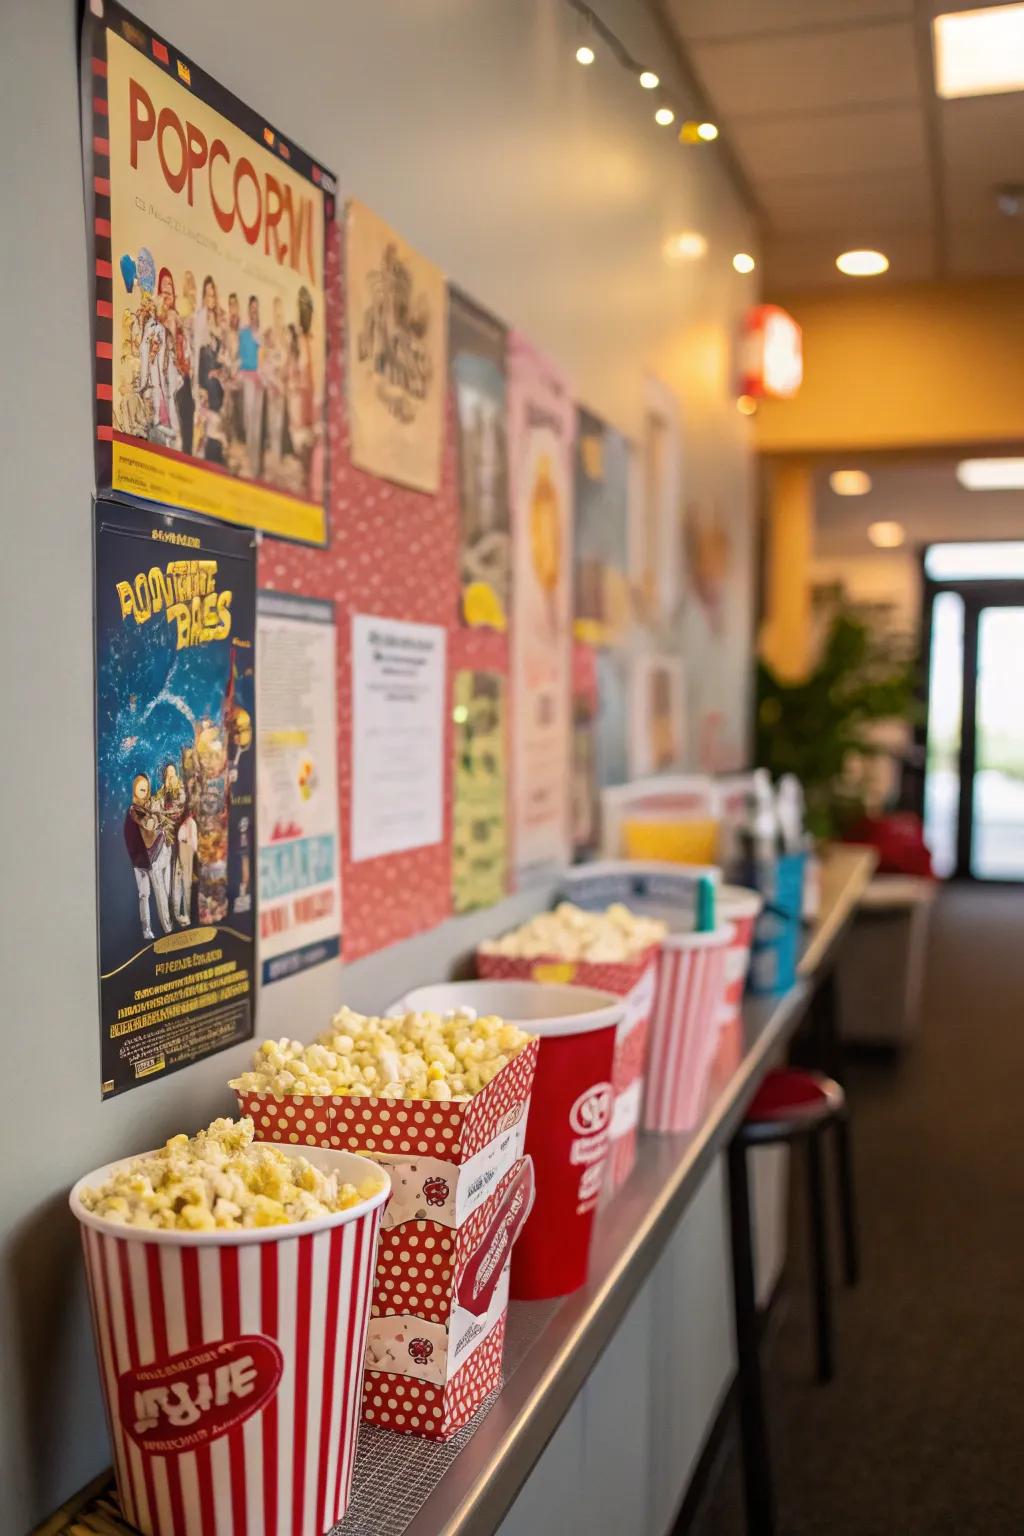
(420, 1056)
(220, 1181)
(570, 933)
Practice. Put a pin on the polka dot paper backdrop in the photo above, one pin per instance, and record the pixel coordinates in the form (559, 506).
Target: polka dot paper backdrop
(393, 552)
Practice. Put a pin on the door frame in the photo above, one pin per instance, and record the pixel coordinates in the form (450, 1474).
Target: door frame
(1002, 592)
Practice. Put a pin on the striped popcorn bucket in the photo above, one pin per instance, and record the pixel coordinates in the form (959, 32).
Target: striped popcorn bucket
(741, 908)
(232, 1364)
(684, 1027)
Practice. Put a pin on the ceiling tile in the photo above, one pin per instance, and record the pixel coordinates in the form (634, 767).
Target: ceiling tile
(986, 250)
(810, 71)
(732, 18)
(833, 144)
(857, 207)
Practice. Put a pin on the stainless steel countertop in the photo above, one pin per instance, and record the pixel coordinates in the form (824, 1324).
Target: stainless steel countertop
(410, 1487)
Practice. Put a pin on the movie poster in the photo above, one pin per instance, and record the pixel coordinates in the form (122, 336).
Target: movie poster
(176, 831)
(584, 748)
(476, 354)
(657, 705)
(208, 230)
(541, 424)
(602, 605)
(479, 850)
(297, 757)
(397, 324)
(657, 525)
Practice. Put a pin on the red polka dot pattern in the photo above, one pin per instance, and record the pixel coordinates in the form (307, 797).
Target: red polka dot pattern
(421, 1408)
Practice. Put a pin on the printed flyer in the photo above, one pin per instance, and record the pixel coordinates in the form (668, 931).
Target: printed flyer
(584, 748)
(175, 626)
(296, 762)
(398, 732)
(658, 527)
(479, 855)
(476, 349)
(208, 233)
(396, 318)
(602, 606)
(541, 424)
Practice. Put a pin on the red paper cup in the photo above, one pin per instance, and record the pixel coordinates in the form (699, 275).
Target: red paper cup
(232, 1364)
(567, 1131)
(741, 908)
(684, 1027)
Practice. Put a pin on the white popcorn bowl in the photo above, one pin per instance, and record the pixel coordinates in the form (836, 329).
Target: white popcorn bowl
(260, 1335)
(546, 1009)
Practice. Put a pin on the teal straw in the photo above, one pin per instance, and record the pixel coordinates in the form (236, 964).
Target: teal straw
(705, 905)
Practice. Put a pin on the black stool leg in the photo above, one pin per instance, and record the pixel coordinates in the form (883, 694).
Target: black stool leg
(819, 1257)
(847, 1207)
(757, 1471)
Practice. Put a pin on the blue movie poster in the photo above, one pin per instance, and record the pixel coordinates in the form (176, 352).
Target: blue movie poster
(175, 785)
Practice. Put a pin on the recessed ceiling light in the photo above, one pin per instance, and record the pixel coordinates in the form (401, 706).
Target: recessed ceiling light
(585, 54)
(850, 482)
(862, 263)
(991, 474)
(707, 132)
(687, 245)
(743, 263)
(979, 53)
(649, 80)
(746, 405)
(886, 535)
(664, 116)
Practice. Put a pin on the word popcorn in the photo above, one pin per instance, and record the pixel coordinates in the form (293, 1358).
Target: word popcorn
(219, 1180)
(418, 1056)
(570, 933)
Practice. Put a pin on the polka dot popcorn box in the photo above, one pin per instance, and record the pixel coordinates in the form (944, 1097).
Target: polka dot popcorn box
(461, 1191)
(635, 982)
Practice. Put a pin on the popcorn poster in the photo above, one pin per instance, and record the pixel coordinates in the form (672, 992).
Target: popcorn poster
(541, 429)
(208, 232)
(176, 830)
(476, 348)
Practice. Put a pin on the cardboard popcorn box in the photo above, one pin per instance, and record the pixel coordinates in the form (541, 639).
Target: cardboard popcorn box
(461, 1191)
(632, 980)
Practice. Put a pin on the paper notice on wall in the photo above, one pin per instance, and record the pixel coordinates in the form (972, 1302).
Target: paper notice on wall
(300, 847)
(398, 733)
(541, 426)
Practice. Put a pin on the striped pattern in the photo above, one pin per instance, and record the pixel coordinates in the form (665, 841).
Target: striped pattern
(684, 1032)
(737, 964)
(286, 1468)
(103, 274)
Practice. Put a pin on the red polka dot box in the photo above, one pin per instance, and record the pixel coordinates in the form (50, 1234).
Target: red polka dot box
(461, 1191)
(635, 981)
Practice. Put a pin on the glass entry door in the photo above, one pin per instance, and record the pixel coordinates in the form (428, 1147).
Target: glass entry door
(974, 779)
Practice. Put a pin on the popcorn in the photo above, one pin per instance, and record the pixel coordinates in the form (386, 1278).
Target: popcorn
(570, 933)
(420, 1056)
(220, 1181)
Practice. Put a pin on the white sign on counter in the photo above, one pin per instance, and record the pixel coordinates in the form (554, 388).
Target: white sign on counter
(398, 728)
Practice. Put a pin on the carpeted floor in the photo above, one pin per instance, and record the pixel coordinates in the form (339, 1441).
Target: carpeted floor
(922, 1432)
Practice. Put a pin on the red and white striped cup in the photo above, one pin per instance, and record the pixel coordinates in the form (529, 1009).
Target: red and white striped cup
(684, 1027)
(741, 908)
(232, 1363)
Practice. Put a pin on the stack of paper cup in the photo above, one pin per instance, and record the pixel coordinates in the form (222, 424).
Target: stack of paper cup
(232, 1363)
(684, 1027)
(569, 1124)
(741, 908)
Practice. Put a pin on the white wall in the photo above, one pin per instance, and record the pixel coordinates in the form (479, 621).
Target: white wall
(545, 190)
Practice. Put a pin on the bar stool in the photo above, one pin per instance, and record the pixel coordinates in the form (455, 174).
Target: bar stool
(790, 1105)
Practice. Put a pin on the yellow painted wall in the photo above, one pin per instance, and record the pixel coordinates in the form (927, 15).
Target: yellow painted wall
(904, 367)
(786, 631)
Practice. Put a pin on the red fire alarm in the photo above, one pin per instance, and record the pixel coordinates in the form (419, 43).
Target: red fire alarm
(771, 354)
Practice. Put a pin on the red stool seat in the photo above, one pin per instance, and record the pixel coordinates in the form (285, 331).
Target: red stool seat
(789, 1096)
